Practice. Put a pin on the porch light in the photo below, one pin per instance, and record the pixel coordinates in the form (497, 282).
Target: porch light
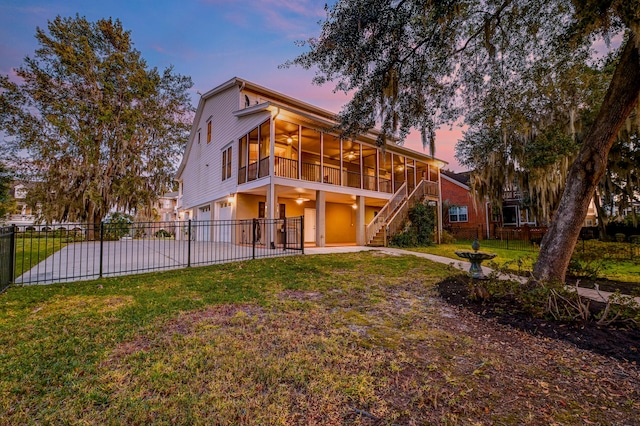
(350, 156)
(354, 206)
(231, 198)
(289, 139)
(300, 200)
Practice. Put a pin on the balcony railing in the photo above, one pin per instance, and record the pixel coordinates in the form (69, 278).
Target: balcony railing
(286, 167)
(352, 179)
(264, 167)
(331, 175)
(369, 182)
(311, 172)
(253, 171)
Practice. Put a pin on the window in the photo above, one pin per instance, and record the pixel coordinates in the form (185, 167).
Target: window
(458, 214)
(226, 163)
(198, 136)
(209, 131)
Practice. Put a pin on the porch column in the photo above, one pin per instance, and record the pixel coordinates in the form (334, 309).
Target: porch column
(360, 223)
(271, 212)
(320, 218)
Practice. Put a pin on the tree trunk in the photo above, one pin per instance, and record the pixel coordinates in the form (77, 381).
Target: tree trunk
(589, 167)
(602, 218)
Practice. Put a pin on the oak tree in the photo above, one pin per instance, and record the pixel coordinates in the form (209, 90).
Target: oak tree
(96, 127)
(421, 63)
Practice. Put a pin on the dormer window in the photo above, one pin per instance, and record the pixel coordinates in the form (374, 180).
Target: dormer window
(247, 102)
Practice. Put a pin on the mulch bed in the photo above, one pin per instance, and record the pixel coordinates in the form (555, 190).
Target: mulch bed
(620, 342)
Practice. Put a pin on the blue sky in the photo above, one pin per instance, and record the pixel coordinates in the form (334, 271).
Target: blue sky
(209, 40)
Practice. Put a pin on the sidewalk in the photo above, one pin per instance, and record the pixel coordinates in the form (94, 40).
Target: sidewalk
(596, 295)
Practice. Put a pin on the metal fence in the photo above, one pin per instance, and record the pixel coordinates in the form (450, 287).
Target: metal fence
(528, 239)
(80, 252)
(506, 239)
(7, 256)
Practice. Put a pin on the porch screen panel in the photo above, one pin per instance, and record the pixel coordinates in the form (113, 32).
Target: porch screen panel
(253, 155)
(286, 149)
(265, 145)
(399, 169)
(385, 169)
(242, 160)
(310, 154)
(352, 158)
(411, 178)
(331, 159)
(369, 155)
(421, 171)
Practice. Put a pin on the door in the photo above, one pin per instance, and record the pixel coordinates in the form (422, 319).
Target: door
(204, 224)
(223, 225)
(309, 225)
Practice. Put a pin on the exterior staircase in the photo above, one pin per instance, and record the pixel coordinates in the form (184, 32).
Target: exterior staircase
(391, 218)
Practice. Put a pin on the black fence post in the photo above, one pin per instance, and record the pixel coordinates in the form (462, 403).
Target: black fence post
(302, 233)
(101, 245)
(253, 238)
(12, 253)
(284, 234)
(189, 243)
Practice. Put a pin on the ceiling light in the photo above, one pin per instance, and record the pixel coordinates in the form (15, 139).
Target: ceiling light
(289, 140)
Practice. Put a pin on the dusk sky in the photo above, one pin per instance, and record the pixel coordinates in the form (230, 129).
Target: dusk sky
(209, 40)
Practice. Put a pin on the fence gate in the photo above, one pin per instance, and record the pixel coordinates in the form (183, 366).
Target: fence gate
(7, 256)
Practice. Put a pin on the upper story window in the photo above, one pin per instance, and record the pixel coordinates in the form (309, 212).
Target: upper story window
(209, 131)
(226, 163)
(458, 214)
(198, 136)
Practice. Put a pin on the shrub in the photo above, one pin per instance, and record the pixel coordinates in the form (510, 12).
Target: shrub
(447, 238)
(162, 234)
(418, 230)
(116, 226)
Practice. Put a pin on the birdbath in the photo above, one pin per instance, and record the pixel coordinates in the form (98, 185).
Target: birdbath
(475, 257)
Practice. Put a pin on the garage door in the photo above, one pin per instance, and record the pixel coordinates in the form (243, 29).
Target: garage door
(224, 226)
(203, 231)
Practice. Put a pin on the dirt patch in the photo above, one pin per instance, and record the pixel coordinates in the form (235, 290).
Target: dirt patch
(617, 342)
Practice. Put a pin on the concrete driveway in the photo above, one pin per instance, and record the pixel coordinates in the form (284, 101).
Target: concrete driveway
(91, 259)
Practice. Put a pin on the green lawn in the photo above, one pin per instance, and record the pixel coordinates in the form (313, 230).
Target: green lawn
(31, 251)
(591, 254)
(331, 339)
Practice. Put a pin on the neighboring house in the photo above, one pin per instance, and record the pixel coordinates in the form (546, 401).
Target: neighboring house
(462, 212)
(256, 153)
(167, 207)
(24, 215)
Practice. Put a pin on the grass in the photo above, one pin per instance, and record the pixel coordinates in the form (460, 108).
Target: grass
(601, 259)
(31, 251)
(333, 339)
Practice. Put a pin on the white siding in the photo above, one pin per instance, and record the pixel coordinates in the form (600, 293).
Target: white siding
(202, 176)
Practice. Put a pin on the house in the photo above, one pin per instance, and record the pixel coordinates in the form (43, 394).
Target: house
(165, 209)
(25, 217)
(463, 214)
(257, 153)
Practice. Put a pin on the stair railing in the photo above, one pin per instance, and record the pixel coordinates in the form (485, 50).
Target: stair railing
(424, 188)
(383, 215)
